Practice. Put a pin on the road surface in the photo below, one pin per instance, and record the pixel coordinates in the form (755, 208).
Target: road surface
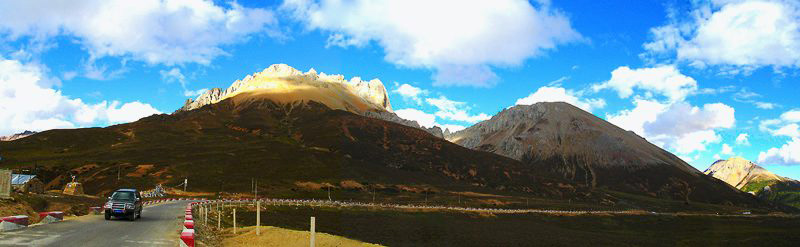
(159, 226)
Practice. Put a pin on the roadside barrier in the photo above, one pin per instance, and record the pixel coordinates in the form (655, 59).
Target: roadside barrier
(188, 224)
(95, 210)
(187, 238)
(51, 217)
(14, 222)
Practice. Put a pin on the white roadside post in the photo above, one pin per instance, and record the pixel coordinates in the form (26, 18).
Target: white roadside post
(258, 217)
(234, 221)
(313, 230)
(219, 219)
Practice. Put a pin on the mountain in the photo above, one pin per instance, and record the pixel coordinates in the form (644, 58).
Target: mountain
(17, 136)
(299, 132)
(284, 84)
(739, 173)
(749, 177)
(565, 141)
(221, 146)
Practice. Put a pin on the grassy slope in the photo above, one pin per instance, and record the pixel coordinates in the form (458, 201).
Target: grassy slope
(781, 192)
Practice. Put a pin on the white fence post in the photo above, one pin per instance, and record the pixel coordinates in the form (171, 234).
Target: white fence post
(258, 217)
(313, 230)
(234, 221)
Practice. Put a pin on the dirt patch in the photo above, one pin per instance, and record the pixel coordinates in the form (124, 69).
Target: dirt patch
(415, 189)
(476, 194)
(313, 185)
(494, 202)
(351, 185)
(275, 236)
(160, 172)
(84, 168)
(177, 192)
(141, 171)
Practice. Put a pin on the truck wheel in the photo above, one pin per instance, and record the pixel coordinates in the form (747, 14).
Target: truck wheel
(108, 217)
(132, 217)
(139, 215)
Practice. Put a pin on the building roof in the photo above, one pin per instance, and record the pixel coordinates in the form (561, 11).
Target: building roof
(18, 179)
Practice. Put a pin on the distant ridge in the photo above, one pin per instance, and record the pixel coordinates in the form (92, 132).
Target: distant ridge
(738, 172)
(754, 179)
(17, 136)
(281, 83)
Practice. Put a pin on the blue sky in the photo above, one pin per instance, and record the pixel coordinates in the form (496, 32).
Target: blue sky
(704, 80)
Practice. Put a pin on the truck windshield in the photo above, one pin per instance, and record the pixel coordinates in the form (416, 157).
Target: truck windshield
(122, 195)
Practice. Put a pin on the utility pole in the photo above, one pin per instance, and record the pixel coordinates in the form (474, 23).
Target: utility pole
(185, 182)
(373, 195)
(313, 231)
(329, 193)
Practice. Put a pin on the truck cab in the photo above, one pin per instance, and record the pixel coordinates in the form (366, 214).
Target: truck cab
(125, 203)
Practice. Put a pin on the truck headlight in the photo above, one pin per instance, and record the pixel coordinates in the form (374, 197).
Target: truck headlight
(108, 205)
(129, 205)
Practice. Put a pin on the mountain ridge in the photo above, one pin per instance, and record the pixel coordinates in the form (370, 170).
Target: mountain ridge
(569, 142)
(17, 136)
(285, 84)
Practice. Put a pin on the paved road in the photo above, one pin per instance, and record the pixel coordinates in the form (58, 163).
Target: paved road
(159, 226)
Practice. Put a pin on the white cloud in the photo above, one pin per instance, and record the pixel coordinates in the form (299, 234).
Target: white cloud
(459, 39)
(727, 149)
(788, 123)
(747, 96)
(558, 94)
(172, 75)
(424, 119)
(195, 93)
(454, 110)
(453, 127)
(717, 157)
(792, 116)
(788, 154)
(765, 105)
(664, 80)
(790, 130)
(409, 92)
(678, 126)
(128, 112)
(644, 111)
(737, 35)
(743, 139)
(28, 102)
(154, 31)
(175, 75)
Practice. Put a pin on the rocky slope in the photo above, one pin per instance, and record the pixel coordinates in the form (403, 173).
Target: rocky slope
(17, 136)
(749, 177)
(739, 172)
(284, 84)
(566, 141)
